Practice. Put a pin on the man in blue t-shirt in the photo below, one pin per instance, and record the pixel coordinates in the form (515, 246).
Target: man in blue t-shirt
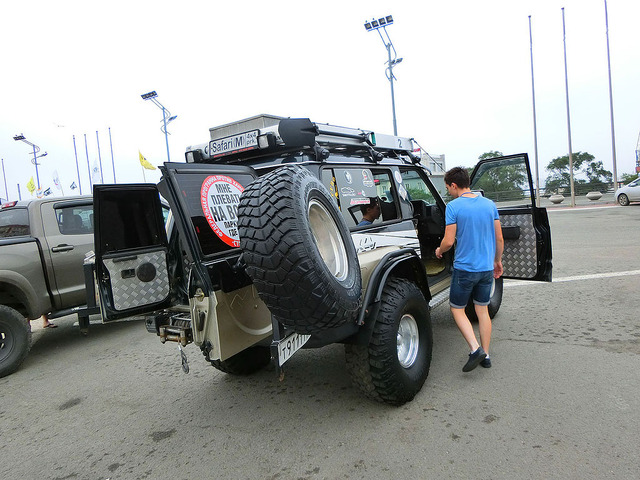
(473, 221)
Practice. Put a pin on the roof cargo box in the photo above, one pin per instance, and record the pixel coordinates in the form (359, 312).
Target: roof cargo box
(246, 125)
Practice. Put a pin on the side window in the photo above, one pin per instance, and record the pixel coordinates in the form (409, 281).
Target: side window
(386, 196)
(416, 187)
(75, 220)
(14, 223)
(365, 196)
(505, 181)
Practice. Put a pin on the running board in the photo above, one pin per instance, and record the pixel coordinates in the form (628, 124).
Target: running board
(439, 299)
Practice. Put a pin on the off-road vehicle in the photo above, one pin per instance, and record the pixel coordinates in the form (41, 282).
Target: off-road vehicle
(266, 254)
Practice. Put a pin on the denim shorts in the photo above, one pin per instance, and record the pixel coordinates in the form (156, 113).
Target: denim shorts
(466, 285)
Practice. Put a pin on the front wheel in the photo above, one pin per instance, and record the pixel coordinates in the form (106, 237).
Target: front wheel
(15, 340)
(395, 364)
(623, 200)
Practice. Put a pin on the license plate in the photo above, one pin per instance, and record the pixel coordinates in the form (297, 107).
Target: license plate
(233, 144)
(290, 345)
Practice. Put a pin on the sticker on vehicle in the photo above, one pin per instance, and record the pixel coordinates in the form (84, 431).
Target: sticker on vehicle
(219, 197)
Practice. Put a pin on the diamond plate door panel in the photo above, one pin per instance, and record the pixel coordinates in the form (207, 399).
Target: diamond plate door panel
(520, 256)
(138, 280)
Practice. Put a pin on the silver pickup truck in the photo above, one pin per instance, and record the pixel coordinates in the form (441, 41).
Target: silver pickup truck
(43, 244)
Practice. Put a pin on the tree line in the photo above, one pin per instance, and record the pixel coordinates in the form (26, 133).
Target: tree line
(589, 175)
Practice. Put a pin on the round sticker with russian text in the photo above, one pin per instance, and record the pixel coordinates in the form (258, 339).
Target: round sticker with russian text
(219, 197)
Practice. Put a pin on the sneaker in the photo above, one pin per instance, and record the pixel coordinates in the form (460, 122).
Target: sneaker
(486, 363)
(474, 359)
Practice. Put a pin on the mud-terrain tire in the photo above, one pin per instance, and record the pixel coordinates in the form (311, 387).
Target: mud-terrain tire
(245, 362)
(15, 340)
(494, 302)
(623, 200)
(395, 364)
(298, 251)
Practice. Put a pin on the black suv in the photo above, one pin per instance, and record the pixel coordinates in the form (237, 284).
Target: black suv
(266, 251)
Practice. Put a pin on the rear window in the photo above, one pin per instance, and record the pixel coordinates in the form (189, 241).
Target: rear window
(14, 223)
(132, 224)
(212, 204)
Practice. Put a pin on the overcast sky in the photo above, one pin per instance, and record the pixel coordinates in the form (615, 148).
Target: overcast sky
(463, 87)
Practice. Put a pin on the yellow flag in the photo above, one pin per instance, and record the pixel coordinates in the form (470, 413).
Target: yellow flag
(145, 163)
(31, 186)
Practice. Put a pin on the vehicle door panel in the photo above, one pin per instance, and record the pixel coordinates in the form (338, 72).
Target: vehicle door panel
(199, 192)
(68, 235)
(634, 191)
(131, 250)
(527, 236)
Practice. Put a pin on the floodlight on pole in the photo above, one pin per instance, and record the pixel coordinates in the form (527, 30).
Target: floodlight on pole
(21, 138)
(166, 117)
(377, 25)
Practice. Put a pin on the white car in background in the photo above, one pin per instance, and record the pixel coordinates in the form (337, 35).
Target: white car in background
(629, 193)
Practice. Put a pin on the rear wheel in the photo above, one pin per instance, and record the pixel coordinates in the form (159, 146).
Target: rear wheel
(15, 340)
(245, 362)
(395, 364)
(623, 200)
(298, 251)
(494, 302)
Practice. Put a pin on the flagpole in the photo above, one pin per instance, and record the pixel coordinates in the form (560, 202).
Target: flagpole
(4, 175)
(566, 83)
(19, 194)
(113, 164)
(77, 166)
(613, 132)
(535, 130)
(143, 174)
(86, 149)
(99, 157)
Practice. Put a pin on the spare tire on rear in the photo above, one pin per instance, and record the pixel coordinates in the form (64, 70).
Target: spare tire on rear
(298, 250)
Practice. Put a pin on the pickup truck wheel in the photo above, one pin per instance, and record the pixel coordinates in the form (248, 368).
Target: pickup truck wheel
(395, 364)
(245, 362)
(15, 340)
(298, 251)
(494, 302)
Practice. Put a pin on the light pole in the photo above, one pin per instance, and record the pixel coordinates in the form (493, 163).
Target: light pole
(377, 25)
(166, 116)
(36, 149)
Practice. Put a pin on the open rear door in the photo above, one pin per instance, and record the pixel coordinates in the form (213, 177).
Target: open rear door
(131, 250)
(525, 227)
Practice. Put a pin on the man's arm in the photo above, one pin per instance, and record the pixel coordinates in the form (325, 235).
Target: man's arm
(449, 238)
(497, 261)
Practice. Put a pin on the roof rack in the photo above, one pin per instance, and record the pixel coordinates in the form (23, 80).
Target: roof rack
(266, 133)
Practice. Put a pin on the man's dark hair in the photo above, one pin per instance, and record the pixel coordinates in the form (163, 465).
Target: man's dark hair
(366, 206)
(459, 176)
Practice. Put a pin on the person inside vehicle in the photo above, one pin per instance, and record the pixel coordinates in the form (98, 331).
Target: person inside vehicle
(370, 211)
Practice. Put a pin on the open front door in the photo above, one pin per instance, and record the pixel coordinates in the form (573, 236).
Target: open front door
(131, 250)
(525, 227)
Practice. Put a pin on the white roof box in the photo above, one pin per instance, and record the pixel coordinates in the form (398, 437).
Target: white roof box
(246, 125)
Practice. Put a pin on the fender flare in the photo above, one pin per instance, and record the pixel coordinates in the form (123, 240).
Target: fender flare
(403, 263)
(20, 288)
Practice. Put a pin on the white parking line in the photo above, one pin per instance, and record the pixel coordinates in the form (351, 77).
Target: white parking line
(579, 208)
(593, 276)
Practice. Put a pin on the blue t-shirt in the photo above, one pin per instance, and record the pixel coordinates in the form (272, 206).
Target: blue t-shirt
(475, 232)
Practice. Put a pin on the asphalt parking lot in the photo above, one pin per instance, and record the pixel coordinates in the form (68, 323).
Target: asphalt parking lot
(560, 402)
